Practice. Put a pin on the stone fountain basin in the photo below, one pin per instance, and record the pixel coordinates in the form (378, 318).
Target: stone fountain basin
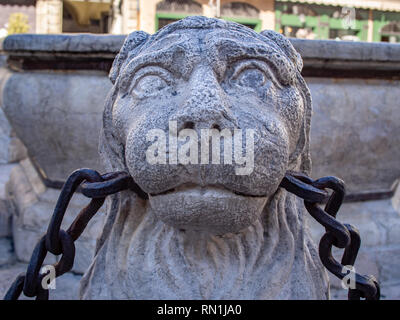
(58, 118)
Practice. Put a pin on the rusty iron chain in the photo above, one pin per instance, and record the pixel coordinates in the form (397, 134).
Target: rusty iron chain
(58, 241)
(98, 187)
(343, 236)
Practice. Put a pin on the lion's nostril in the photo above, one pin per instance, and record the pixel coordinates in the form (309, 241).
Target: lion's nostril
(188, 125)
(217, 127)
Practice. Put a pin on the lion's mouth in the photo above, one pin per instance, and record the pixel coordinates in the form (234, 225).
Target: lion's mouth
(211, 208)
(208, 190)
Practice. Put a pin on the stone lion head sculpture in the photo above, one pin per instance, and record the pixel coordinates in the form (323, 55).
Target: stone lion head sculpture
(206, 232)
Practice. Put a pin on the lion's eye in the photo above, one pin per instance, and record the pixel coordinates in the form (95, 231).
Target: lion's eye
(149, 85)
(252, 74)
(251, 77)
(148, 81)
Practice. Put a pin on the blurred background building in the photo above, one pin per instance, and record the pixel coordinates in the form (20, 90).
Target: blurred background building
(366, 20)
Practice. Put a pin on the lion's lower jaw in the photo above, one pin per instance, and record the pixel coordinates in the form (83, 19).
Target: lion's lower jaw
(273, 259)
(210, 210)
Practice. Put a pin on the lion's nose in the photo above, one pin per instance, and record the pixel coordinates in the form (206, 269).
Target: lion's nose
(197, 117)
(206, 105)
(188, 125)
(192, 125)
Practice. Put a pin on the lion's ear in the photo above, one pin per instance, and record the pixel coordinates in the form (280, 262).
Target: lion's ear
(131, 45)
(286, 46)
(300, 158)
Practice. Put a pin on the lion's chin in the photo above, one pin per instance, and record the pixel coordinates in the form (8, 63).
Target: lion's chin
(210, 209)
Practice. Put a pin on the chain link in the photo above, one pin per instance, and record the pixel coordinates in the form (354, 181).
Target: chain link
(343, 236)
(98, 187)
(58, 241)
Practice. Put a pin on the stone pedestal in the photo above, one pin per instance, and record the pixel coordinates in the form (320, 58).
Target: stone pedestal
(11, 150)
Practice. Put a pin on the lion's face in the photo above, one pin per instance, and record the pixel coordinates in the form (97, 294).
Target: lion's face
(208, 79)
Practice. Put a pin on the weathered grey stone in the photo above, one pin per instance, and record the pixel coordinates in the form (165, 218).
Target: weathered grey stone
(388, 260)
(5, 171)
(3, 60)
(5, 209)
(57, 120)
(19, 190)
(390, 292)
(84, 254)
(7, 276)
(319, 49)
(11, 148)
(67, 287)
(367, 264)
(338, 294)
(6, 251)
(5, 219)
(5, 132)
(355, 134)
(393, 230)
(63, 43)
(206, 232)
(24, 241)
(16, 150)
(345, 50)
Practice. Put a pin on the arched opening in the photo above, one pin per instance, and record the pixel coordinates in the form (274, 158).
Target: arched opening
(85, 16)
(242, 13)
(391, 32)
(168, 11)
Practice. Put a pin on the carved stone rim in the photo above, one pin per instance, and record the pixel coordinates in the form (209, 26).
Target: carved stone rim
(322, 58)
